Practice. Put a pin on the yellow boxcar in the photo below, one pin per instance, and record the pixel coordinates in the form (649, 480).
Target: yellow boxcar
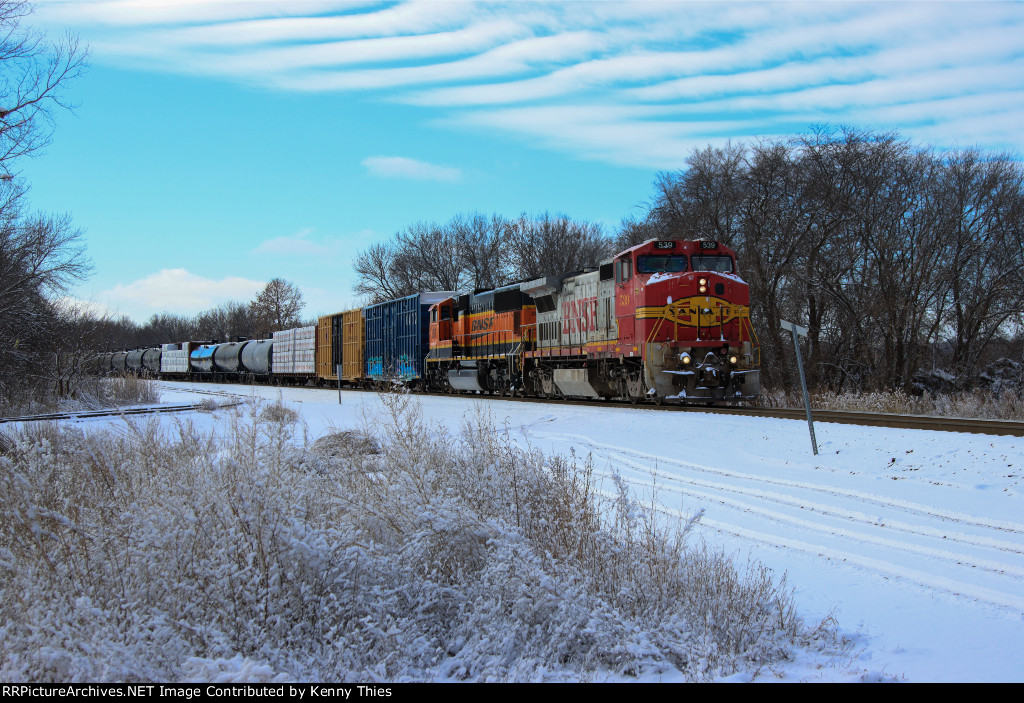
(353, 337)
(328, 346)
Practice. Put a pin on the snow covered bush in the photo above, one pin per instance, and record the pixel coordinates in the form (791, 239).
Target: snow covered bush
(392, 552)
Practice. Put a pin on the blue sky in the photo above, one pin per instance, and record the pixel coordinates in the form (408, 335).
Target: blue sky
(218, 144)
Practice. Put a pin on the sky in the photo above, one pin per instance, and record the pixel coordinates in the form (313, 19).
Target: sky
(216, 144)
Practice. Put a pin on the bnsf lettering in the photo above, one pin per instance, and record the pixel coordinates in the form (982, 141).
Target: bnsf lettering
(579, 315)
(482, 324)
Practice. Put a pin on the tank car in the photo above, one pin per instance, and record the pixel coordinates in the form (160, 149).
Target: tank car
(227, 357)
(151, 361)
(119, 362)
(256, 357)
(134, 361)
(200, 359)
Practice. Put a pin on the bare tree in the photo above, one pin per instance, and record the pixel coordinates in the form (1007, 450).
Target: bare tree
(427, 258)
(550, 245)
(482, 248)
(277, 307)
(983, 221)
(33, 72)
(375, 270)
(470, 251)
(40, 254)
(40, 258)
(884, 250)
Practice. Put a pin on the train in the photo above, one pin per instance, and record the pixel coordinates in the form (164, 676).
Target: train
(666, 320)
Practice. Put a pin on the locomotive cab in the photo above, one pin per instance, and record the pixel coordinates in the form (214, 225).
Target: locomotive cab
(687, 307)
(441, 327)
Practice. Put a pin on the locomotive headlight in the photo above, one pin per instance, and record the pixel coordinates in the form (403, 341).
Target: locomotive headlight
(685, 359)
(703, 285)
(733, 359)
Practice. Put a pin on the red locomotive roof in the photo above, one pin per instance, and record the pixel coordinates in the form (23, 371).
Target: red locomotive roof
(685, 246)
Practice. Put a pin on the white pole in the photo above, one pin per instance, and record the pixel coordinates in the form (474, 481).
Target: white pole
(796, 330)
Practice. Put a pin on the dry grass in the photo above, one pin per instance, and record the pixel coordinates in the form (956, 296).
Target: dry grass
(1006, 405)
(392, 553)
(126, 390)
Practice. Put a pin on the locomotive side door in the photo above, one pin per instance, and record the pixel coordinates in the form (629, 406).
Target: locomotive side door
(625, 300)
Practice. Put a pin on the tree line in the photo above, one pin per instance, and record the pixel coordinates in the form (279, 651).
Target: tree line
(896, 257)
(476, 251)
(41, 255)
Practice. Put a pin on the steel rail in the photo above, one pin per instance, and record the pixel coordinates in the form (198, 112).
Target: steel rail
(114, 412)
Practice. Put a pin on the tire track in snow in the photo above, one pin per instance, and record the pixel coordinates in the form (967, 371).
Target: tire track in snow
(883, 500)
(854, 531)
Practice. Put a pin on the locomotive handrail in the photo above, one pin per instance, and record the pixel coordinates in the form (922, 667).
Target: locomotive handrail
(657, 327)
(750, 326)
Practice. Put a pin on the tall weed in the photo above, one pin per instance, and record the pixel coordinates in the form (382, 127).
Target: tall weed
(1007, 404)
(389, 552)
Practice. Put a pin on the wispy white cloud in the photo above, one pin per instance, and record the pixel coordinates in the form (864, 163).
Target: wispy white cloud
(300, 243)
(176, 290)
(403, 167)
(149, 12)
(568, 74)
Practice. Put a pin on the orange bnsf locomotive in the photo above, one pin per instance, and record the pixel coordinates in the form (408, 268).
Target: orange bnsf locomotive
(668, 319)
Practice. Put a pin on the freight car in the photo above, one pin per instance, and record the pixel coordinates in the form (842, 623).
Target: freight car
(340, 341)
(398, 338)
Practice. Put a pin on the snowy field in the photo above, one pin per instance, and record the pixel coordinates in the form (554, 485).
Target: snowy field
(912, 541)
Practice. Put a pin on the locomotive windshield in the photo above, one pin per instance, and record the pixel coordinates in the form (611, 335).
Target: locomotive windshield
(661, 264)
(712, 262)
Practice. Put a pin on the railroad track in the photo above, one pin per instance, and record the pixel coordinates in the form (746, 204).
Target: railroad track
(86, 414)
(845, 417)
(871, 419)
(909, 422)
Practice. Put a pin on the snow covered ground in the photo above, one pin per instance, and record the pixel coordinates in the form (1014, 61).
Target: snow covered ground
(913, 541)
